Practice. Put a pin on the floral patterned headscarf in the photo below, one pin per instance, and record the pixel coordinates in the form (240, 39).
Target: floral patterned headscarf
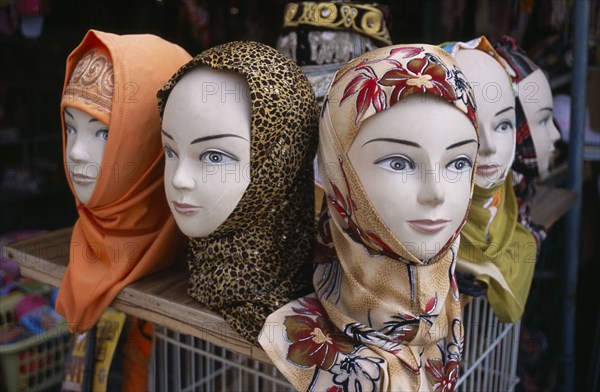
(380, 319)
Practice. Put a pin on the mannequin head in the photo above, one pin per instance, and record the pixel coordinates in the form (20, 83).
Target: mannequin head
(495, 111)
(536, 130)
(86, 141)
(206, 138)
(87, 105)
(535, 98)
(398, 144)
(428, 169)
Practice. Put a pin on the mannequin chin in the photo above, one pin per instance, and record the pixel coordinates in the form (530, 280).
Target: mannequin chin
(496, 114)
(416, 169)
(206, 137)
(535, 97)
(86, 140)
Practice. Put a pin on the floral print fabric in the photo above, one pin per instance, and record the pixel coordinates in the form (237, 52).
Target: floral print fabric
(380, 318)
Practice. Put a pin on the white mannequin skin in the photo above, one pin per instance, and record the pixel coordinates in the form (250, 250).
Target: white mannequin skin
(416, 169)
(496, 114)
(206, 137)
(86, 141)
(536, 99)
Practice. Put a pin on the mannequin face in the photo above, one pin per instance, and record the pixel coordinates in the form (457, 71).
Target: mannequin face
(496, 114)
(416, 170)
(536, 99)
(86, 140)
(206, 138)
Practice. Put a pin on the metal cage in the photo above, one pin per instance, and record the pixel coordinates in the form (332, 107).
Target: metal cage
(185, 363)
(490, 352)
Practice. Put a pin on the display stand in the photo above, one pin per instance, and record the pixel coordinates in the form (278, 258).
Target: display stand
(194, 347)
(491, 350)
(160, 298)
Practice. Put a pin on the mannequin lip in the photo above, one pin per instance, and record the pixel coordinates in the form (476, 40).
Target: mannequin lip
(185, 209)
(429, 226)
(82, 179)
(487, 169)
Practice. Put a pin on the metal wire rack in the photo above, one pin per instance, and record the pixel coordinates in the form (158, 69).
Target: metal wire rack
(490, 352)
(185, 363)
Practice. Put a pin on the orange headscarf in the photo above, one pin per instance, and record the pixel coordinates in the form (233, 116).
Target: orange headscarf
(125, 231)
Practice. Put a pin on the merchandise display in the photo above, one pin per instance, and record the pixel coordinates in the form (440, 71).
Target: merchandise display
(495, 247)
(537, 131)
(114, 166)
(323, 36)
(299, 195)
(386, 313)
(258, 258)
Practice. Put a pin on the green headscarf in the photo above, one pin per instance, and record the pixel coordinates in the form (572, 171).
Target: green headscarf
(498, 250)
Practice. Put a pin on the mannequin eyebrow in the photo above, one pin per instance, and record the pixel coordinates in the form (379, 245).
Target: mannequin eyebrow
(550, 109)
(400, 141)
(504, 110)
(461, 144)
(203, 139)
(91, 120)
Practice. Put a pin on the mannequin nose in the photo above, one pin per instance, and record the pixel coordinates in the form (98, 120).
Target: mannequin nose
(487, 145)
(554, 133)
(181, 178)
(431, 193)
(79, 151)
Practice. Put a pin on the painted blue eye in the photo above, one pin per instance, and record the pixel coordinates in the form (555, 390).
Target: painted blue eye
(217, 158)
(544, 122)
(504, 126)
(102, 134)
(396, 163)
(460, 164)
(169, 153)
(71, 130)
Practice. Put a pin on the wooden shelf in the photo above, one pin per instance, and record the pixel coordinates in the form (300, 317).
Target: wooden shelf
(160, 298)
(551, 203)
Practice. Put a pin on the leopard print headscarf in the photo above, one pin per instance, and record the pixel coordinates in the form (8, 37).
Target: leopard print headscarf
(260, 258)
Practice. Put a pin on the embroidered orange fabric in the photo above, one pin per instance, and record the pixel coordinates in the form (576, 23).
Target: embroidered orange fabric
(125, 231)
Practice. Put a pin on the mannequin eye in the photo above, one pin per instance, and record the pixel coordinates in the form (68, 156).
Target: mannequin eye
(460, 164)
(71, 130)
(504, 126)
(102, 134)
(217, 158)
(169, 153)
(544, 122)
(396, 163)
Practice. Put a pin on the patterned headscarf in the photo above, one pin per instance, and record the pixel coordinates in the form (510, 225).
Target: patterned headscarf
(259, 258)
(381, 319)
(520, 66)
(494, 246)
(125, 231)
(91, 86)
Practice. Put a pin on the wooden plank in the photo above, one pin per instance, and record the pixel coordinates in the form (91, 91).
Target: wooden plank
(160, 298)
(550, 204)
